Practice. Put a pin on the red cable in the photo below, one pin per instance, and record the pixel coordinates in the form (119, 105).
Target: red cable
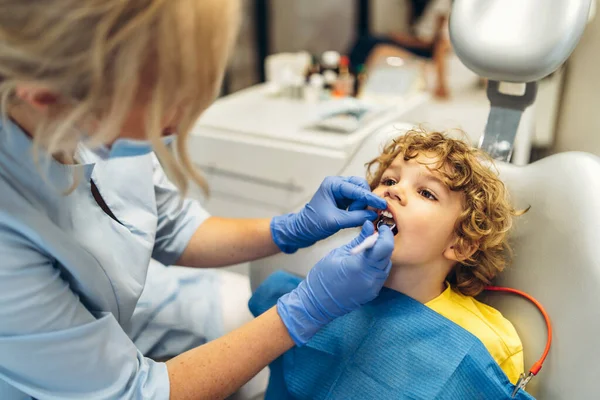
(537, 366)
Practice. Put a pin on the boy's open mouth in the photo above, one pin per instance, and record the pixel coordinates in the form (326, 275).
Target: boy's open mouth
(386, 218)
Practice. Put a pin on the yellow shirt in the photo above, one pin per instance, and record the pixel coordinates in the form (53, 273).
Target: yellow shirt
(487, 324)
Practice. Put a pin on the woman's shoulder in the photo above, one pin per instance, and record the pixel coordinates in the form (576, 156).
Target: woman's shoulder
(21, 217)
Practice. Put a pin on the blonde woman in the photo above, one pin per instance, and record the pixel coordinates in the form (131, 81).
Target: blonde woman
(91, 92)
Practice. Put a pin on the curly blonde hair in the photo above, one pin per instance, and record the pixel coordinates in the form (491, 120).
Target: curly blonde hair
(482, 227)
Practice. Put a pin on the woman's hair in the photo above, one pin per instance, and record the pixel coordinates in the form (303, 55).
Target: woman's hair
(102, 56)
(482, 227)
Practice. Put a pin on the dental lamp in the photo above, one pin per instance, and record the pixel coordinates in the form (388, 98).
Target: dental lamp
(516, 41)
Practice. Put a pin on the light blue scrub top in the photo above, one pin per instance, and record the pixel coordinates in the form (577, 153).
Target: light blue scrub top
(71, 276)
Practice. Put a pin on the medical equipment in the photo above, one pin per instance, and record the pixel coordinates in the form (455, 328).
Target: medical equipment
(365, 245)
(537, 366)
(477, 31)
(344, 86)
(285, 72)
(346, 120)
(524, 50)
(330, 68)
(516, 41)
(386, 219)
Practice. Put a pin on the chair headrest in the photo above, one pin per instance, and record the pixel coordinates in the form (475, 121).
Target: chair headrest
(557, 260)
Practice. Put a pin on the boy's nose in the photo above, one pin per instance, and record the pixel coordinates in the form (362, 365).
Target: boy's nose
(395, 194)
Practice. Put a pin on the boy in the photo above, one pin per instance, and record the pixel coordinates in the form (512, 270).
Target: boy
(452, 215)
(425, 336)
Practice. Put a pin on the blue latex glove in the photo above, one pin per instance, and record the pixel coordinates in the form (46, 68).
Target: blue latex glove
(339, 203)
(336, 285)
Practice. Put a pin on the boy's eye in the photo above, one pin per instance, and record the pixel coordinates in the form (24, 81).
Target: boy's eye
(388, 182)
(427, 194)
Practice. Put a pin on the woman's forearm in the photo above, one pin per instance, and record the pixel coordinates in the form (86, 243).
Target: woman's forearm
(227, 241)
(217, 369)
(440, 53)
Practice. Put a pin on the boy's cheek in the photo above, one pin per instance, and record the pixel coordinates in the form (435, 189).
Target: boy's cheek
(378, 191)
(397, 243)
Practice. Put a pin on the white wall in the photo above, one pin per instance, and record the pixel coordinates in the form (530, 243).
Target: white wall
(312, 25)
(579, 119)
(242, 66)
(388, 16)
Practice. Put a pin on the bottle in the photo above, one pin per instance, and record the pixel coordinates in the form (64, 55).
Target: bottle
(314, 89)
(297, 87)
(344, 86)
(286, 81)
(330, 61)
(314, 68)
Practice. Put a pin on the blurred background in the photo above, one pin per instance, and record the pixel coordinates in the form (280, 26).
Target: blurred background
(312, 85)
(566, 117)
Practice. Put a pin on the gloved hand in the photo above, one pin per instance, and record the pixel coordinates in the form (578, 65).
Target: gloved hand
(339, 203)
(336, 285)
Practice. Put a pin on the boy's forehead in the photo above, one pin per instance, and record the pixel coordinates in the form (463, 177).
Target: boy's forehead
(430, 164)
(430, 161)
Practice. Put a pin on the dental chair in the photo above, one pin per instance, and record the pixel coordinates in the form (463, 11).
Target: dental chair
(557, 243)
(556, 259)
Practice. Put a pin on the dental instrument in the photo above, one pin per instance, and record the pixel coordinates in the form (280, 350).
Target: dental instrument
(537, 366)
(370, 241)
(390, 224)
(365, 245)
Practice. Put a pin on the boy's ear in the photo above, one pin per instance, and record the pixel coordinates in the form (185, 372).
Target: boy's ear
(456, 254)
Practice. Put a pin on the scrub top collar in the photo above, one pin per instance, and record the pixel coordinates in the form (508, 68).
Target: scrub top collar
(19, 147)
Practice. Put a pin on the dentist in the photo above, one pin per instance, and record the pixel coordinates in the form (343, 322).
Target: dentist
(91, 199)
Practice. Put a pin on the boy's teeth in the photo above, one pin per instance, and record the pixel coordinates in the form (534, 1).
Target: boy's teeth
(387, 214)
